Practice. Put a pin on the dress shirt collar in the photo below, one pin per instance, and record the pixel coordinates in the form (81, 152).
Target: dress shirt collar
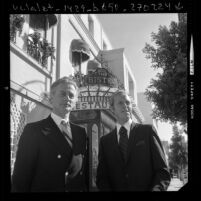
(57, 119)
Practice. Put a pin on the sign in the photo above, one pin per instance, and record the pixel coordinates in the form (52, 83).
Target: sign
(92, 105)
(92, 102)
(100, 76)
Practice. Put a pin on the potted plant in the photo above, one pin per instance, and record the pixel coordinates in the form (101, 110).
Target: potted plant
(33, 44)
(47, 50)
(39, 48)
(16, 24)
(79, 78)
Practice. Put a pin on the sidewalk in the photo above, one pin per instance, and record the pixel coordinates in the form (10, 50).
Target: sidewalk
(175, 184)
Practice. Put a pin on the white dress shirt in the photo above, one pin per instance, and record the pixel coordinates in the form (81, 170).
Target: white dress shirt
(57, 119)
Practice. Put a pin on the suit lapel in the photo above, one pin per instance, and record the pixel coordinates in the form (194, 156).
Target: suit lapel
(54, 135)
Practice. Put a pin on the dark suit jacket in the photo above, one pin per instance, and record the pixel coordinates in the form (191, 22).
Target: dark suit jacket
(43, 157)
(145, 169)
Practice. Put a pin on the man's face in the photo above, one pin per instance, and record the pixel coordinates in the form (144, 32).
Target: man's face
(63, 99)
(122, 108)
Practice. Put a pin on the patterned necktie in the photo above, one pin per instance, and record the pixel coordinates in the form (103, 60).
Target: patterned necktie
(66, 131)
(123, 142)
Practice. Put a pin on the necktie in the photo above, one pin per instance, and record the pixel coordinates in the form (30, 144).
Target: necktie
(123, 142)
(66, 131)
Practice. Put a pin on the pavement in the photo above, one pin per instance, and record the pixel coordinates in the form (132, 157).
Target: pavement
(175, 184)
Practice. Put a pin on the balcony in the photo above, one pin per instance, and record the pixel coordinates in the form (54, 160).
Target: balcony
(34, 45)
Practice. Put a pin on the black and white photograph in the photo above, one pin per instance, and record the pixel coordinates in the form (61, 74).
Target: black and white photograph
(100, 102)
(119, 84)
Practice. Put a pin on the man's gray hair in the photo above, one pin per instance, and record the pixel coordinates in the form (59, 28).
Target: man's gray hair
(62, 80)
(118, 92)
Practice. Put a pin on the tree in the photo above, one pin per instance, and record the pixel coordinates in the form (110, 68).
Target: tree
(168, 91)
(178, 157)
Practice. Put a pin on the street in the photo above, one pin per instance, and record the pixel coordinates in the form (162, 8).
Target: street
(175, 184)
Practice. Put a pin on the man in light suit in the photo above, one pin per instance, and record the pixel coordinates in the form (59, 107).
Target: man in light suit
(51, 155)
(131, 157)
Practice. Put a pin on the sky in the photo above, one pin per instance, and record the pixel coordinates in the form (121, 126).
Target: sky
(132, 31)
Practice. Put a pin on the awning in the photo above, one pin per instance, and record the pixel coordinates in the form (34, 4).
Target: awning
(42, 21)
(92, 65)
(79, 52)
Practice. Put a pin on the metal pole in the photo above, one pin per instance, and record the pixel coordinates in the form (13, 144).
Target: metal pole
(80, 63)
(80, 78)
(46, 25)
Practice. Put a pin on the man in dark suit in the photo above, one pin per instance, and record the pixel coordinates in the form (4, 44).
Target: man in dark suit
(131, 157)
(51, 155)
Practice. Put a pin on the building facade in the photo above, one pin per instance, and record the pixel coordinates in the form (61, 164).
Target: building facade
(146, 108)
(41, 52)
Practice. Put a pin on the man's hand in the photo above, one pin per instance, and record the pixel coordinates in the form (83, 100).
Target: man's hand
(75, 166)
